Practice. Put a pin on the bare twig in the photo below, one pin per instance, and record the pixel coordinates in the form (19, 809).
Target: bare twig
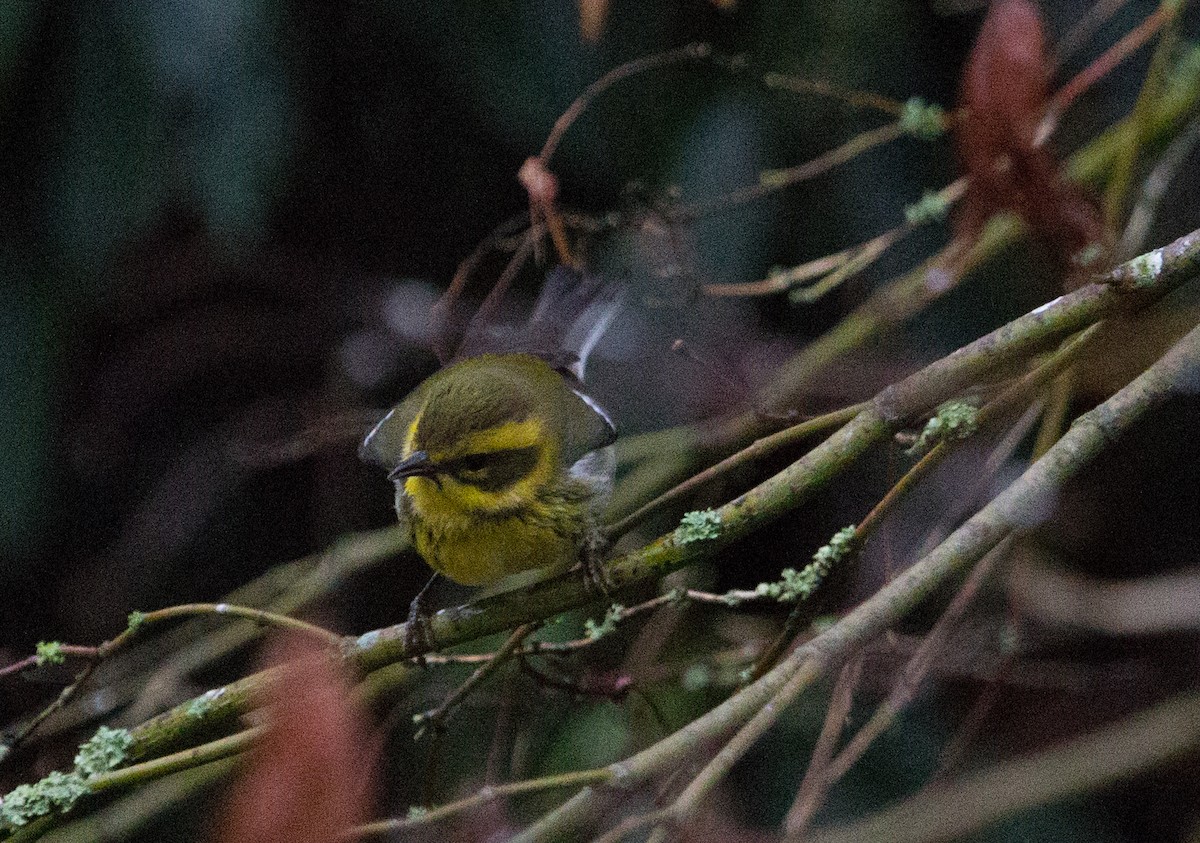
(145, 620)
(30, 662)
(485, 796)
(813, 786)
(836, 267)
(779, 179)
(1155, 187)
(820, 87)
(1092, 19)
(761, 448)
(692, 52)
(1114, 55)
(1151, 92)
(436, 718)
(900, 697)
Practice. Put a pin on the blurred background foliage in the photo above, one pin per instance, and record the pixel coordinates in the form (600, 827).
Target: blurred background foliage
(223, 222)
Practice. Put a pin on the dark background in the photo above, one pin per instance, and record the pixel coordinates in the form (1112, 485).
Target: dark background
(221, 224)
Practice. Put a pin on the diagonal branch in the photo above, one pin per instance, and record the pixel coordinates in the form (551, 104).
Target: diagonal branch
(1136, 283)
(745, 717)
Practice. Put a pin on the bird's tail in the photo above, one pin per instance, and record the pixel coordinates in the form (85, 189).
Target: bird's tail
(571, 315)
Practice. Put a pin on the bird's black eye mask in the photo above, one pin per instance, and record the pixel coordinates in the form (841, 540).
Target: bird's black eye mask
(493, 471)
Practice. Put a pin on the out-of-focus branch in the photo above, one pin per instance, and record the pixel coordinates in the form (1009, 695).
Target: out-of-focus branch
(1140, 743)
(1155, 187)
(149, 670)
(1147, 606)
(742, 719)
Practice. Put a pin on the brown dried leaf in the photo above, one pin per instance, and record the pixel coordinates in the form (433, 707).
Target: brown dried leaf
(309, 779)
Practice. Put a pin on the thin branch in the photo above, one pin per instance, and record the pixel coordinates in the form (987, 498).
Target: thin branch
(1146, 606)
(1012, 397)
(491, 302)
(692, 52)
(857, 99)
(837, 266)
(485, 796)
(1130, 42)
(1155, 188)
(123, 817)
(30, 662)
(262, 617)
(146, 620)
(1082, 31)
(629, 825)
(174, 763)
(970, 727)
(436, 718)
(1143, 109)
(776, 180)
(813, 785)
(193, 646)
(761, 448)
(900, 697)
(442, 311)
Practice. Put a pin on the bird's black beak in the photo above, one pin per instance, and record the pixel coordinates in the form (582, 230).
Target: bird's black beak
(416, 464)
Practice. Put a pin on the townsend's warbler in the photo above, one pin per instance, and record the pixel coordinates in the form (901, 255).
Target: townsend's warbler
(501, 461)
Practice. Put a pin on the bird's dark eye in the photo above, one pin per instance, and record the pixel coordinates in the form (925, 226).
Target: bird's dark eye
(494, 471)
(471, 462)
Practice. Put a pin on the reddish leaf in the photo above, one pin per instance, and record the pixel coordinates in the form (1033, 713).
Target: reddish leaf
(1004, 97)
(309, 779)
(593, 14)
(539, 183)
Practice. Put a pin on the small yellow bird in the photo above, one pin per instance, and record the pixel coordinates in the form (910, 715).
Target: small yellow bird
(501, 461)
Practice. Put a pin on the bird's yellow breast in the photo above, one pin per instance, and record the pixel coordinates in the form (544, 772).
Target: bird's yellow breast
(474, 551)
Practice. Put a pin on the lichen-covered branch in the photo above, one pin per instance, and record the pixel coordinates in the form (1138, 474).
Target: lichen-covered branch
(1068, 314)
(1127, 287)
(1142, 280)
(741, 720)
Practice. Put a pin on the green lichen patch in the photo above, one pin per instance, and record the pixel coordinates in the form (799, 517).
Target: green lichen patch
(953, 420)
(701, 525)
(923, 120)
(595, 630)
(56, 792)
(931, 207)
(794, 586)
(106, 750)
(50, 652)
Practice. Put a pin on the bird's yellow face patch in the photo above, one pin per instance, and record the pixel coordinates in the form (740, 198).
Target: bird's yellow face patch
(491, 471)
